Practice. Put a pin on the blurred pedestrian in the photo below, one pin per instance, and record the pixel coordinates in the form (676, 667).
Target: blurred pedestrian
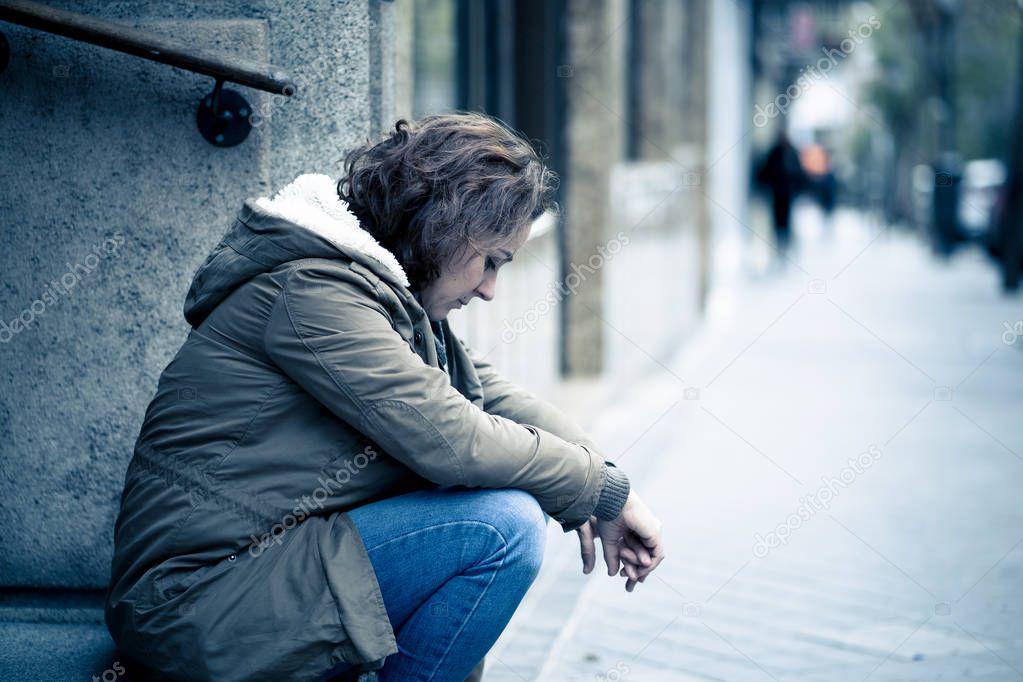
(783, 176)
(816, 163)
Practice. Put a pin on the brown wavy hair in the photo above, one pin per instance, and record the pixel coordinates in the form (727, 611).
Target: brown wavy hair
(434, 187)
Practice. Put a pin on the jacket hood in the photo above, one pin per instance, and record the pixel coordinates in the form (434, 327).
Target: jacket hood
(305, 219)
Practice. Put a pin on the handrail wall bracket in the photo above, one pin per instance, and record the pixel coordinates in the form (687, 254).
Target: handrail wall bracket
(224, 115)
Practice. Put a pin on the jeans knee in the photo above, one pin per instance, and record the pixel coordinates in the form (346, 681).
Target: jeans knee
(524, 525)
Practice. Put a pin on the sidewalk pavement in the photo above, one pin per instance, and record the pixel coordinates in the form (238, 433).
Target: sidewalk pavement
(837, 459)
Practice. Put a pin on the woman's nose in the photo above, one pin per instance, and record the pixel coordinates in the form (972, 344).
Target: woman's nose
(488, 287)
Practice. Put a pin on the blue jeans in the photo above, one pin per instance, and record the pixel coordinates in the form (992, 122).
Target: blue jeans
(452, 564)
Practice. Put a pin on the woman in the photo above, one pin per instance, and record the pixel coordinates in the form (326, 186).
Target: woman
(327, 480)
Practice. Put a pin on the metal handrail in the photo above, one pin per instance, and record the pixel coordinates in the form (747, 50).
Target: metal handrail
(147, 45)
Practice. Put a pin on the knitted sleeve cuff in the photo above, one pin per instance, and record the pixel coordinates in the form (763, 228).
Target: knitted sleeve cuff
(613, 494)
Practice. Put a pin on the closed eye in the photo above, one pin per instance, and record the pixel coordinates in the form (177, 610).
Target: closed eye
(492, 264)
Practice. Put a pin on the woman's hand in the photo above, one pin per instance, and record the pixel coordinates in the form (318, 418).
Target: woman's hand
(634, 539)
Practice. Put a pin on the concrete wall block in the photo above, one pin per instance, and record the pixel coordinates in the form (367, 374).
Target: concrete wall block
(111, 199)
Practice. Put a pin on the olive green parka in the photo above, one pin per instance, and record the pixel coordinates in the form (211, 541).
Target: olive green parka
(308, 385)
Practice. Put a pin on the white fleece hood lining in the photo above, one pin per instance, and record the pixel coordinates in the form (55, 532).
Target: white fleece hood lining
(311, 202)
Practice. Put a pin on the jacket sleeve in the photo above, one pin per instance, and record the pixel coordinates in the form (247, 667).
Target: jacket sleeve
(509, 400)
(331, 335)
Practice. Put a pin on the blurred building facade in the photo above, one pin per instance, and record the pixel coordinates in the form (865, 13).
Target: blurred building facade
(641, 108)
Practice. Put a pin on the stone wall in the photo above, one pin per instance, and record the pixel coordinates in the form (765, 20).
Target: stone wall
(109, 200)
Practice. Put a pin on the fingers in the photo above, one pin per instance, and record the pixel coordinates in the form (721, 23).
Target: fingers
(630, 583)
(638, 560)
(612, 551)
(587, 547)
(656, 557)
(632, 545)
(629, 566)
(650, 538)
(628, 571)
(627, 553)
(639, 554)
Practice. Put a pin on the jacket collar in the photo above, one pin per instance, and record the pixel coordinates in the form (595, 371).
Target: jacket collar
(311, 202)
(306, 219)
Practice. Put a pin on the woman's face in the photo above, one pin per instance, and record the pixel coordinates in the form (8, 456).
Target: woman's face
(473, 274)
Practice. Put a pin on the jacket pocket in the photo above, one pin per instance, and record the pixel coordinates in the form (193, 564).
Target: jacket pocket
(176, 583)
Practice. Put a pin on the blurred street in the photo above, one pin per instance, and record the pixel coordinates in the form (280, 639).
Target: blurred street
(786, 560)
